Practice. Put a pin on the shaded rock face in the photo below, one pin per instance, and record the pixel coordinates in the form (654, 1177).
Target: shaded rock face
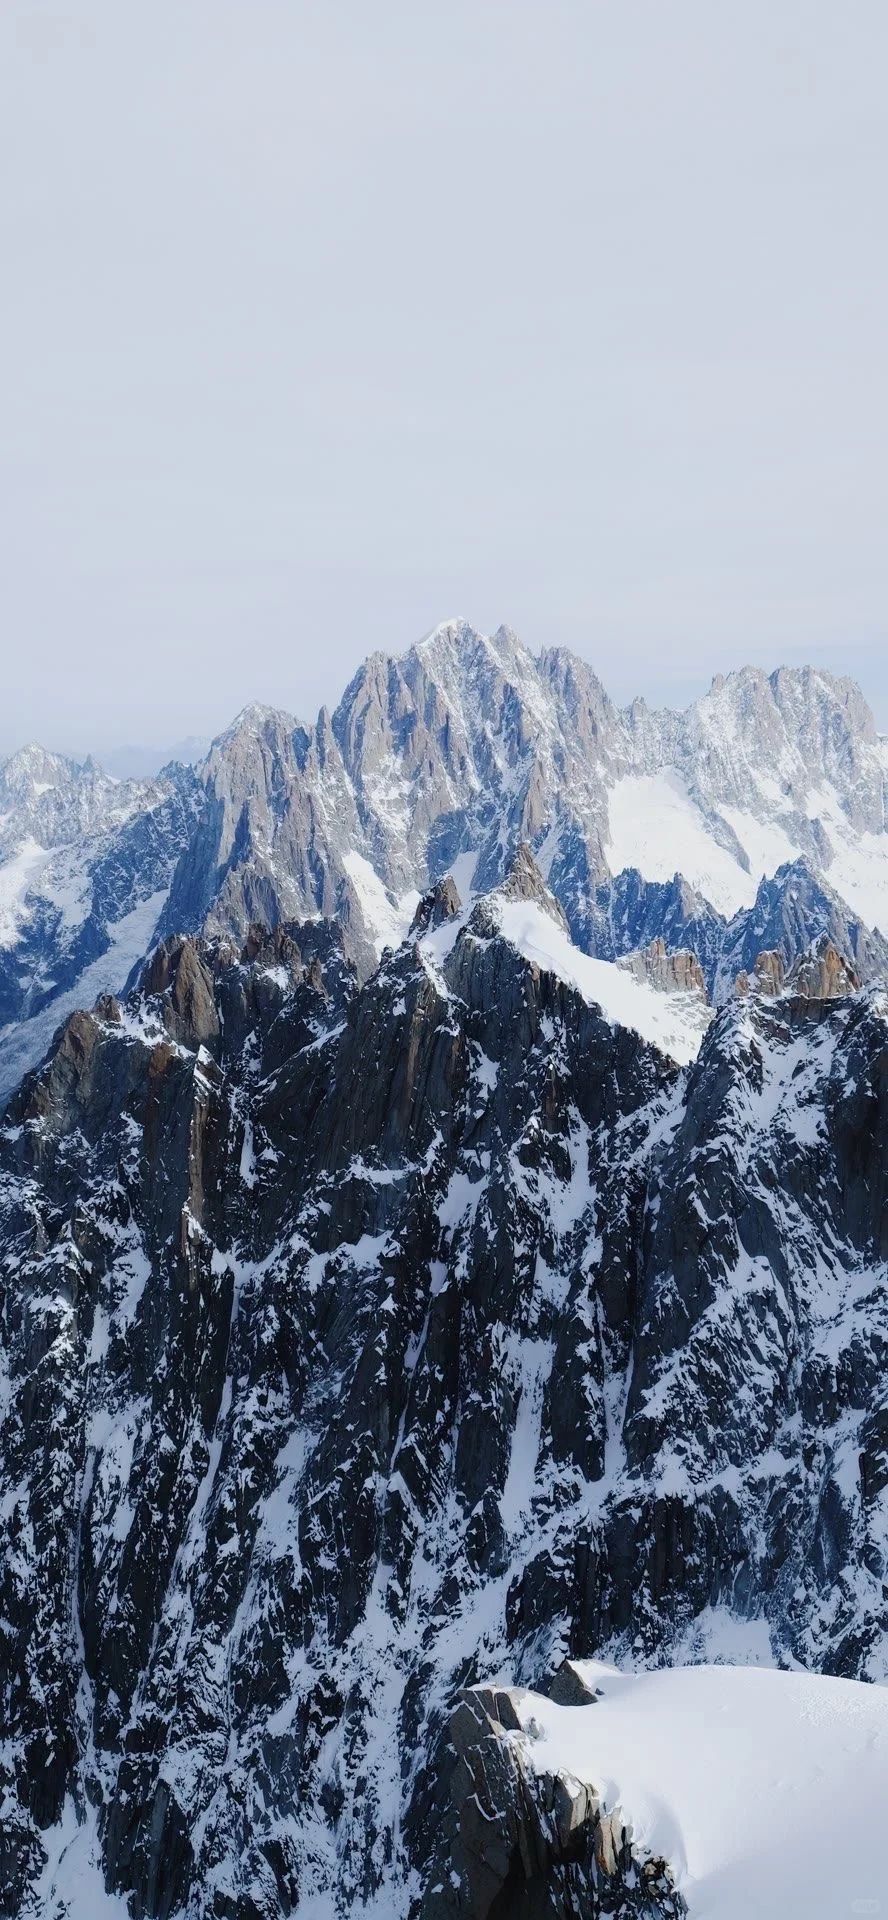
(628, 913)
(360, 1343)
(442, 902)
(793, 909)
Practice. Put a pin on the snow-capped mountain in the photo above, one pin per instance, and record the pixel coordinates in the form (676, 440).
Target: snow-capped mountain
(364, 1343)
(757, 816)
(463, 1251)
(449, 757)
(85, 866)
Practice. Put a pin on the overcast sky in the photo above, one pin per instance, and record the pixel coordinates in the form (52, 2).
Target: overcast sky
(320, 323)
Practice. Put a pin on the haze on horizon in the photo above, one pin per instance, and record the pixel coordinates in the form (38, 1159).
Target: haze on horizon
(320, 325)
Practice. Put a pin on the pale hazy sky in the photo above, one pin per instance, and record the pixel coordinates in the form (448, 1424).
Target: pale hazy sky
(321, 323)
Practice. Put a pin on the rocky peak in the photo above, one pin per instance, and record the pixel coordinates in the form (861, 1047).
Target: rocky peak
(821, 974)
(793, 906)
(53, 800)
(178, 978)
(31, 770)
(667, 971)
(800, 725)
(767, 976)
(519, 1843)
(440, 903)
(524, 881)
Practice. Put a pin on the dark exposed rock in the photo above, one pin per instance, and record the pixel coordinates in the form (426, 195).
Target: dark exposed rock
(440, 903)
(521, 1844)
(629, 913)
(569, 1689)
(361, 1343)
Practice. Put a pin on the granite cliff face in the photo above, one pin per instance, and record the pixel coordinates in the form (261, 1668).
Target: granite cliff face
(521, 1843)
(364, 1343)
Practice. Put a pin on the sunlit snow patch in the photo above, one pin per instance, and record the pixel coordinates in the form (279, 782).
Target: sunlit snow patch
(859, 867)
(656, 827)
(674, 1022)
(386, 922)
(766, 1791)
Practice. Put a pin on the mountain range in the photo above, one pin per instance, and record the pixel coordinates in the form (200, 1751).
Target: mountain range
(444, 1287)
(754, 819)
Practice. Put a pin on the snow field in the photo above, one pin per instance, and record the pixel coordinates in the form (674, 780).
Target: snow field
(766, 1790)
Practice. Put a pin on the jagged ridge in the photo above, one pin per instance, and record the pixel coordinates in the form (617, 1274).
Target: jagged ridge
(364, 1342)
(453, 755)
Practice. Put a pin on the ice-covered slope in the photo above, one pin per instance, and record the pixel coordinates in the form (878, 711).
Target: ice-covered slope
(674, 1022)
(765, 1791)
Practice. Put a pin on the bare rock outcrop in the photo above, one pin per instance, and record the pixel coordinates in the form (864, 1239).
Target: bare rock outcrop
(524, 881)
(766, 978)
(821, 974)
(656, 966)
(522, 1843)
(440, 903)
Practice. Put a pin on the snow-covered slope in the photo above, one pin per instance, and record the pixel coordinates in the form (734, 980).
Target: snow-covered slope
(765, 1791)
(674, 1022)
(23, 1043)
(656, 826)
(527, 917)
(85, 866)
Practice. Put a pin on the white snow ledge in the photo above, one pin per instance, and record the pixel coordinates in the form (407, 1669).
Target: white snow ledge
(766, 1791)
(674, 1022)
